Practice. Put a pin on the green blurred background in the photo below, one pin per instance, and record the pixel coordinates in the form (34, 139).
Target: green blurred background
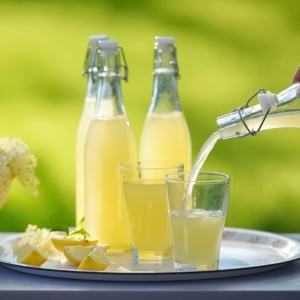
(226, 51)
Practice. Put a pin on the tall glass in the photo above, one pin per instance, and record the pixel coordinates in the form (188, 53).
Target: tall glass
(197, 219)
(146, 204)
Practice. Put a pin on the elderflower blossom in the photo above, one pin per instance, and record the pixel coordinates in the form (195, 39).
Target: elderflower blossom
(16, 161)
(40, 238)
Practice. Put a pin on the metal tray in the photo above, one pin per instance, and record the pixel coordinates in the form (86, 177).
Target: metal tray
(243, 252)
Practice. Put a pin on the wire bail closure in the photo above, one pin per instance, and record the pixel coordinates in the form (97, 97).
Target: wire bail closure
(87, 68)
(173, 63)
(176, 67)
(124, 66)
(240, 110)
(95, 69)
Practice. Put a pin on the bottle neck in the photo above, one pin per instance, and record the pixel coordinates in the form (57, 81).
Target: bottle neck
(91, 88)
(109, 101)
(89, 61)
(165, 97)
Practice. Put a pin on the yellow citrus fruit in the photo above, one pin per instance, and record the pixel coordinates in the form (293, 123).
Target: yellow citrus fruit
(95, 261)
(29, 255)
(59, 241)
(77, 253)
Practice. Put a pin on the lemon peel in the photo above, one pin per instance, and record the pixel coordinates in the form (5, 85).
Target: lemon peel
(60, 241)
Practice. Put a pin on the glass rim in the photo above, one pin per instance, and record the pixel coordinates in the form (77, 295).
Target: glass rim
(217, 177)
(151, 165)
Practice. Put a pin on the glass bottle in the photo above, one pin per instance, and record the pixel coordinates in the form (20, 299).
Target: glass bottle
(109, 142)
(86, 116)
(165, 134)
(272, 111)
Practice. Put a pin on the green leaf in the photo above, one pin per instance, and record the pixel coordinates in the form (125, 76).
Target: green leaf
(79, 230)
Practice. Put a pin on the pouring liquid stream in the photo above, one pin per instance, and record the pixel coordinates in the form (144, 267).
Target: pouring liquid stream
(285, 115)
(200, 159)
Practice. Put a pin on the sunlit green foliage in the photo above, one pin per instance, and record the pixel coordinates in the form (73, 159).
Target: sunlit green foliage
(226, 51)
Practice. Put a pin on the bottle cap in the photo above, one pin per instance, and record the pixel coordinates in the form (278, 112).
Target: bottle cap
(108, 45)
(94, 39)
(97, 37)
(91, 52)
(164, 42)
(267, 101)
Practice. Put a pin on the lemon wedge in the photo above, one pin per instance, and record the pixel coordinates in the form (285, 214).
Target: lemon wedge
(77, 253)
(60, 241)
(29, 255)
(96, 260)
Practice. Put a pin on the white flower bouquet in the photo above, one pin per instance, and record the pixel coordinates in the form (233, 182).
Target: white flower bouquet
(16, 161)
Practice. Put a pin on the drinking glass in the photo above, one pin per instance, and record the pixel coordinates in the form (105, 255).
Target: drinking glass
(144, 191)
(197, 210)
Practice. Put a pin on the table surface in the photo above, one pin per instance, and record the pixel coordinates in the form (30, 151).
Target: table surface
(282, 283)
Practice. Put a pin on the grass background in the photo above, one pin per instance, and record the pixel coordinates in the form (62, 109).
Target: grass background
(226, 51)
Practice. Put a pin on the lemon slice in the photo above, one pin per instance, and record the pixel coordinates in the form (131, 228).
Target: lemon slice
(29, 255)
(59, 241)
(96, 260)
(77, 253)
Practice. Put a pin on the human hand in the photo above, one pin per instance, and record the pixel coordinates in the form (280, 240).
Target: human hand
(296, 77)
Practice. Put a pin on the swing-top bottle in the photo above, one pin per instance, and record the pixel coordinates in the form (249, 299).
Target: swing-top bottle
(109, 142)
(165, 134)
(86, 116)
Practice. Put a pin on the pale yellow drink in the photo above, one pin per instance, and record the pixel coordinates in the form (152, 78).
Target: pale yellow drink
(84, 123)
(197, 237)
(148, 213)
(109, 142)
(166, 137)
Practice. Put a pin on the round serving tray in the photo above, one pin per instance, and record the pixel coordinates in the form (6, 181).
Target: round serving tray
(243, 252)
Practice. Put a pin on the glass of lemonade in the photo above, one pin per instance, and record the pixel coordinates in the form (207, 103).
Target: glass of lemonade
(197, 210)
(147, 209)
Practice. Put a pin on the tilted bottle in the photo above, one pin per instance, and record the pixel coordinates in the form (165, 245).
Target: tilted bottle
(272, 111)
(86, 116)
(109, 142)
(165, 134)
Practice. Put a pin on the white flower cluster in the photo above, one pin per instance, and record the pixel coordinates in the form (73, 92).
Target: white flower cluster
(40, 238)
(16, 161)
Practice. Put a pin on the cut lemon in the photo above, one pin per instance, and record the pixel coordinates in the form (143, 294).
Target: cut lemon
(96, 261)
(77, 253)
(59, 241)
(29, 255)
